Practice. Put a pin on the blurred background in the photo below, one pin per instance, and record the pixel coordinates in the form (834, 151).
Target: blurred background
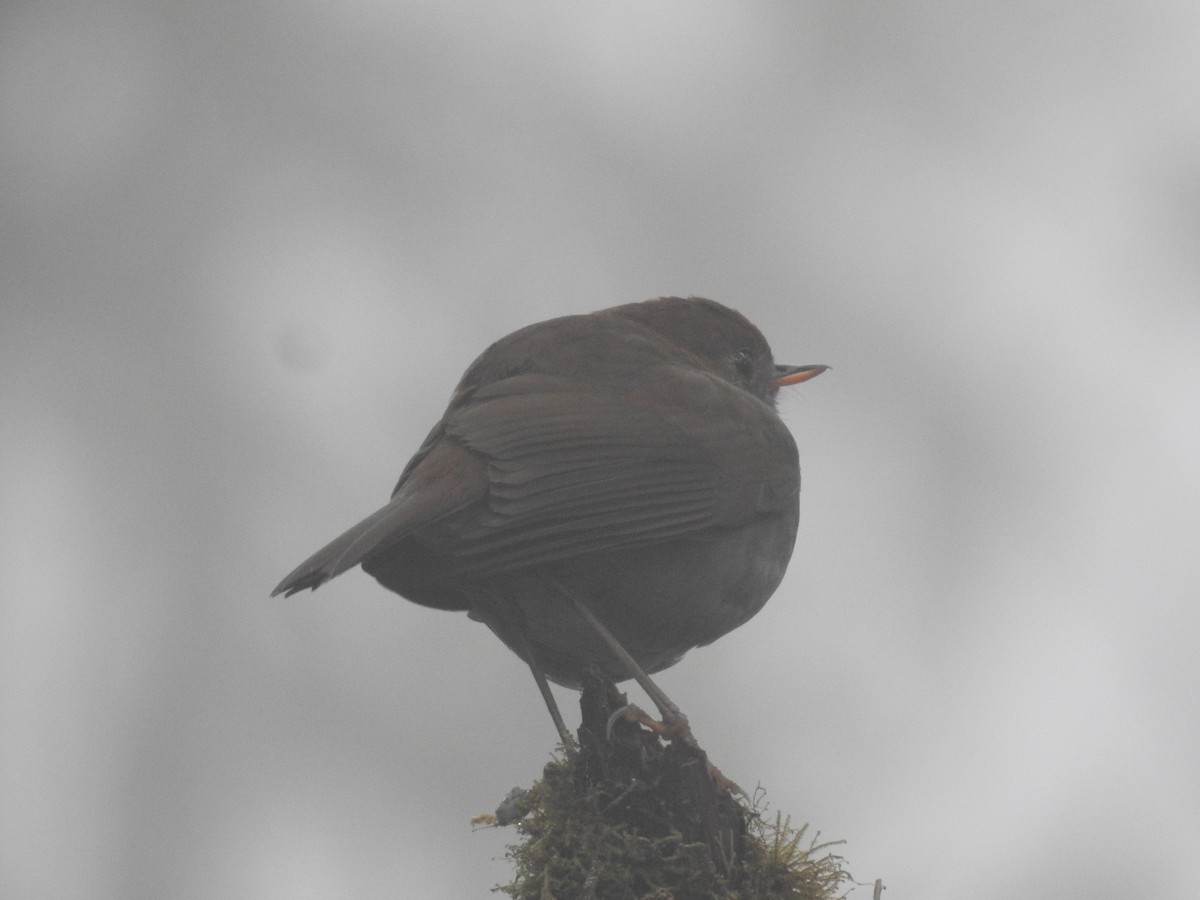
(247, 250)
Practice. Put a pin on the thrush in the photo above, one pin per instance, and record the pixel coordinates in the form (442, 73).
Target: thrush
(606, 490)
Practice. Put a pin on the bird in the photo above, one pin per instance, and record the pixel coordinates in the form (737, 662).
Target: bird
(605, 491)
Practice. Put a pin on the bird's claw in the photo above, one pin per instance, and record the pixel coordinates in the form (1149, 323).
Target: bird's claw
(673, 726)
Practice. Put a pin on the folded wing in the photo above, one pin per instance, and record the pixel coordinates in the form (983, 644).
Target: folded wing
(533, 469)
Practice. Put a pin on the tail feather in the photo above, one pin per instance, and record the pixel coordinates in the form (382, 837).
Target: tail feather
(408, 511)
(344, 552)
(449, 478)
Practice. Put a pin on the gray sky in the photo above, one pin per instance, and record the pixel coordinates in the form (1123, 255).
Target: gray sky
(247, 249)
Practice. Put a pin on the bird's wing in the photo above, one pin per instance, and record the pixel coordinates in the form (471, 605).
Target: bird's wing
(532, 469)
(573, 471)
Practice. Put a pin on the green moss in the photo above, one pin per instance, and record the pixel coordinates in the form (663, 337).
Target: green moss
(589, 838)
(780, 863)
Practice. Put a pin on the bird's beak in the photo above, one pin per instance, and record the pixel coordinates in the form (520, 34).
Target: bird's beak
(785, 375)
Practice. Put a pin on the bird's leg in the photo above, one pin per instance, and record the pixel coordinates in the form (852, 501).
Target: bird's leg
(674, 724)
(544, 686)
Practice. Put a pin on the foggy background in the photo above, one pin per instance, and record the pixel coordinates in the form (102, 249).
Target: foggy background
(246, 251)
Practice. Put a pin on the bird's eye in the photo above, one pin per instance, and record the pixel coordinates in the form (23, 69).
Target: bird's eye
(743, 362)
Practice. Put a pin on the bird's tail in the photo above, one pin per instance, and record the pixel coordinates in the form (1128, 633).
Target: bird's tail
(346, 551)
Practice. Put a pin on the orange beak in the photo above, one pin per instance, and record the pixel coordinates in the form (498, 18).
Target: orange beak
(785, 375)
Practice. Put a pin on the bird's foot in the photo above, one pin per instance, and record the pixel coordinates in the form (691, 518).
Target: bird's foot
(672, 727)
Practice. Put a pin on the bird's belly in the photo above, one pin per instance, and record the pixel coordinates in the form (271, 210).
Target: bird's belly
(659, 601)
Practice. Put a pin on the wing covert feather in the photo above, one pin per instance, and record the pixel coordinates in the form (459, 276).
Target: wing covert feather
(573, 472)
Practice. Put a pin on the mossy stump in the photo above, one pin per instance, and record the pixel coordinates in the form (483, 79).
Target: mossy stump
(628, 817)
